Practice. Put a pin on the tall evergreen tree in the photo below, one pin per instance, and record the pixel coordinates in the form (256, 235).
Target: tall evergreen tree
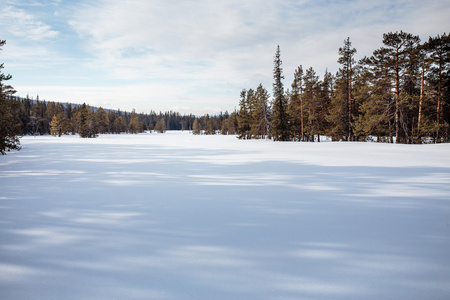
(280, 117)
(209, 129)
(160, 126)
(326, 92)
(439, 49)
(260, 127)
(102, 120)
(295, 109)
(10, 126)
(377, 109)
(342, 109)
(400, 46)
(313, 104)
(196, 127)
(347, 62)
(87, 125)
(135, 125)
(230, 124)
(243, 117)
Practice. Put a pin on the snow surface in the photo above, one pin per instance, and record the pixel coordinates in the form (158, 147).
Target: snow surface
(178, 216)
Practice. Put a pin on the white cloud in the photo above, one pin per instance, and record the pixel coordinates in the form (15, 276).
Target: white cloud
(186, 53)
(231, 39)
(24, 25)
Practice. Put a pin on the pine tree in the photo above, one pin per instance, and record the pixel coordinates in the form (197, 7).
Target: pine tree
(209, 129)
(400, 46)
(120, 124)
(230, 124)
(260, 114)
(10, 127)
(280, 117)
(102, 120)
(87, 125)
(243, 117)
(325, 94)
(342, 108)
(135, 125)
(439, 50)
(347, 61)
(160, 126)
(196, 127)
(56, 127)
(295, 108)
(312, 104)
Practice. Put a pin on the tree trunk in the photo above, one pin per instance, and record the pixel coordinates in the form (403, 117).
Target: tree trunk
(350, 102)
(439, 112)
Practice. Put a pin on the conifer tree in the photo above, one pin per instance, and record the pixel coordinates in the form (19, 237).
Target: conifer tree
(209, 129)
(10, 127)
(313, 105)
(400, 46)
(295, 109)
(87, 125)
(252, 106)
(160, 126)
(196, 127)
(342, 109)
(243, 117)
(102, 120)
(376, 112)
(56, 127)
(260, 114)
(135, 125)
(347, 62)
(325, 94)
(439, 50)
(280, 117)
(230, 124)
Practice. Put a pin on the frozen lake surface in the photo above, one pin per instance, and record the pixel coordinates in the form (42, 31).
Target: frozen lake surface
(178, 216)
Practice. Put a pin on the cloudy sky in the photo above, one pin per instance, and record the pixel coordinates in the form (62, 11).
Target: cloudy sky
(190, 56)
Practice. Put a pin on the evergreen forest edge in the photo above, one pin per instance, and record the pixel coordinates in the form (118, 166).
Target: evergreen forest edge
(399, 94)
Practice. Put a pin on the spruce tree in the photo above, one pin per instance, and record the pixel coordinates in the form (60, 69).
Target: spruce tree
(342, 108)
(280, 118)
(347, 62)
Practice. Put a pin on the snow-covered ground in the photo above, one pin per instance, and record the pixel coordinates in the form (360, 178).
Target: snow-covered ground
(178, 216)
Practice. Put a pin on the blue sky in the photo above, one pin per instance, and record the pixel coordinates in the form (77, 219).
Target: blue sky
(186, 55)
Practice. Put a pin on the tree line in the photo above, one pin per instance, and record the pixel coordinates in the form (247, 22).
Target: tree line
(36, 117)
(401, 93)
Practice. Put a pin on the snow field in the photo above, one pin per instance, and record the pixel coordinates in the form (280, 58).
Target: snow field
(178, 216)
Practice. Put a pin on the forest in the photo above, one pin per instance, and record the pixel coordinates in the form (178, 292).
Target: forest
(401, 94)
(41, 117)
